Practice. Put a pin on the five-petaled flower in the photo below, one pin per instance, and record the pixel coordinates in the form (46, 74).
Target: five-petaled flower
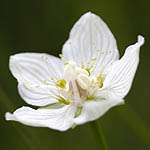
(82, 85)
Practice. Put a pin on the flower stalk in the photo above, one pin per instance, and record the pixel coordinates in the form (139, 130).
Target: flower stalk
(99, 137)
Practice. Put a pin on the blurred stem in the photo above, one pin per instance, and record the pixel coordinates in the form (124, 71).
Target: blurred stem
(136, 123)
(99, 137)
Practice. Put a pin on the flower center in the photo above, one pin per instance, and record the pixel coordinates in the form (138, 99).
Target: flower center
(77, 85)
(78, 79)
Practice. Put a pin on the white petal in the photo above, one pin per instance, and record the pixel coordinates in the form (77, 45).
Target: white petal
(87, 36)
(58, 119)
(35, 67)
(39, 96)
(34, 72)
(120, 75)
(92, 110)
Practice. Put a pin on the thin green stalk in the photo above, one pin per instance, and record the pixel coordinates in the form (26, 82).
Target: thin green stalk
(136, 123)
(99, 137)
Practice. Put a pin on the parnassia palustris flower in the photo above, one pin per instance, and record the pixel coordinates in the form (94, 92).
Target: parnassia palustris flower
(82, 85)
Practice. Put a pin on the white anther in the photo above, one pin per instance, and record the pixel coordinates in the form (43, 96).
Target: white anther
(81, 71)
(72, 73)
(83, 81)
(69, 71)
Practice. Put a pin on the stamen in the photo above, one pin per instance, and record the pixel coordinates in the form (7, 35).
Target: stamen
(69, 92)
(62, 100)
(80, 86)
(61, 84)
(66, 63)
(88, 69)
(83, 66)
(94, 59)
(45, 82)
(91, 97)
(91, 67)
(61, 56)
(100, 80)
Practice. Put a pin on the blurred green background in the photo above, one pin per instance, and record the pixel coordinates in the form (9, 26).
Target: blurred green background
(43, 26)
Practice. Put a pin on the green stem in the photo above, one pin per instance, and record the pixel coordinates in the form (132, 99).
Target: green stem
(136, 123)
(99, 137)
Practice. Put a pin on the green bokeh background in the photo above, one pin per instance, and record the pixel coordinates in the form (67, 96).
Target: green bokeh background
(43, 26)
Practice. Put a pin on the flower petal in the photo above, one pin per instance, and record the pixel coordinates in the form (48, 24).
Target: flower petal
(34, 72)
(92, 110)
(58, 119)
(90, 39)
(35, 67)
(38, 95)
(121, 73)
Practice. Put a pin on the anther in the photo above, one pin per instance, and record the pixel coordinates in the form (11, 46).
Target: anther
(94, 59)
(61, 56)
(66, 63)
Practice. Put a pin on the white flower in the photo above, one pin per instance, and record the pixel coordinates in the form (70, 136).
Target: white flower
(86, 82)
